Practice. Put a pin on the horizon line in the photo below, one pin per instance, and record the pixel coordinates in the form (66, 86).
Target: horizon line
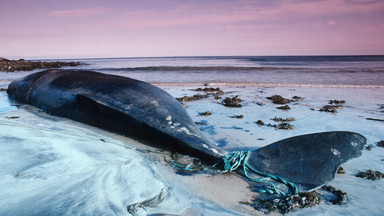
(175, 56)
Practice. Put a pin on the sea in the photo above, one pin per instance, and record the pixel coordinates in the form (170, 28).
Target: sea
(55, 166)
(322, 71)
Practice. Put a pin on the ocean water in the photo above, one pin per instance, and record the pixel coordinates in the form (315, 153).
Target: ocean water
(340, 71)
(55, 166)
(326, 71)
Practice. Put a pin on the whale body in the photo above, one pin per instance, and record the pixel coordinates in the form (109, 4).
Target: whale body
(141, 110)
(120, 104)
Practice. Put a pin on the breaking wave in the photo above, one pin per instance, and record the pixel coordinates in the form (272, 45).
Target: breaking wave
(244, 84)
(240, 69)
(194, 68)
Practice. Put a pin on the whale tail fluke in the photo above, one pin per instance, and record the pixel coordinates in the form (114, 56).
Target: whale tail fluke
(308, 161)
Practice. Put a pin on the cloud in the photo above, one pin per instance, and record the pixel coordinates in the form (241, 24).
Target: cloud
(244, 13)
(79, 12)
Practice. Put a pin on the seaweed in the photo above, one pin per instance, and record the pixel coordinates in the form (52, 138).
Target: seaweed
(371, 175)
(330, 108)
(380, 143)
(286, 107)
(237, 116)
(191, 98)
(206, 113)
(289, 119)
(277, 99)
(232, 102)
(285, 205)
(260, 123)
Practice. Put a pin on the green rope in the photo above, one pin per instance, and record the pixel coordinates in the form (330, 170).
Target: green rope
(233, 160)
(188, 168)
(181, 167)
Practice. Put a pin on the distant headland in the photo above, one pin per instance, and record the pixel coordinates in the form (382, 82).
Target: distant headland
(22, 65)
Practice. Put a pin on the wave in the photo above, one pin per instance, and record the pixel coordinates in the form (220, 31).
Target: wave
(244, 84)
(242, 69)
(195, 68)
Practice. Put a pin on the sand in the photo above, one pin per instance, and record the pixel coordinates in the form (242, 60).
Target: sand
(52, 165)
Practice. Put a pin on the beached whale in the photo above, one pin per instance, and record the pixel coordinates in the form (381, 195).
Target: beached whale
(139, 109)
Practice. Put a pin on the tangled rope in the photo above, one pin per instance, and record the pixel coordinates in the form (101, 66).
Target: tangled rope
(232, 161)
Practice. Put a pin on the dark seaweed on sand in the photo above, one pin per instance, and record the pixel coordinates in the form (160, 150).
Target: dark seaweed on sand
(333, 106)
(211, 91)
(285, 205)
(282, 126)
(206, 113)
(277, 99)
(208, 92)
(371, 175)
(330, 108)
(232, 102)
(237, 116)
(380, 143)
(289, 119)
(285, 107)
(191, 98)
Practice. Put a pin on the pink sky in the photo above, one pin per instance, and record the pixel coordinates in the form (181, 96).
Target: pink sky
(133, 28)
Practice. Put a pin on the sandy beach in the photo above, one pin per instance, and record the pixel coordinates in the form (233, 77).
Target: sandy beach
(96, 169)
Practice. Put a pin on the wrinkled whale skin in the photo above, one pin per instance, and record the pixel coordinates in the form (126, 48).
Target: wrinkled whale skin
(120, 104)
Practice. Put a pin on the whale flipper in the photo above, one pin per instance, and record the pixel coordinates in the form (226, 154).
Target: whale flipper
(309, 161)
